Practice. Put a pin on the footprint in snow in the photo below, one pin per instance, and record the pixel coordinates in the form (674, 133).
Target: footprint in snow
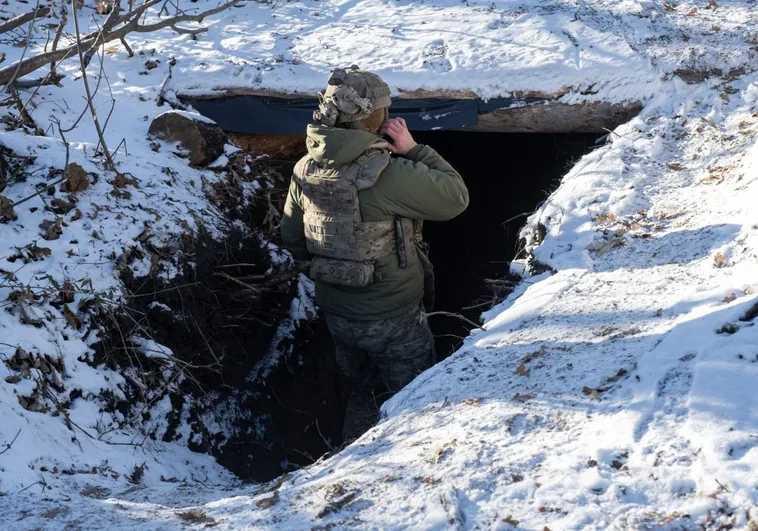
(674, 385)
(670, 395)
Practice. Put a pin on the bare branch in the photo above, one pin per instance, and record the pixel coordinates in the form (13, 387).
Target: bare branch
(59, 31)
(65, 142)
(23, 113)
(26, 66)
(456, 315)
(40, 191)
(122, 143)
(264, 282)
(128, 48)
(489, 303)
(108, 26)
(26, 48)
(109, 160)
(187, 31)
(172, 288)
(9, 445)
(273, 279)
(245, 285)
(224, 266)
(186, 18)
(159, 99)
(137, 12)
(104, 75)
(20, 20)
(52, 78)
(41, 483)
(516, 217)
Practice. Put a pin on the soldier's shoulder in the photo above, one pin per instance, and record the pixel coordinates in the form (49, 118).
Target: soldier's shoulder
(301, 165)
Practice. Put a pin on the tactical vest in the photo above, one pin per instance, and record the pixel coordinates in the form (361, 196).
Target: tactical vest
(344, 246)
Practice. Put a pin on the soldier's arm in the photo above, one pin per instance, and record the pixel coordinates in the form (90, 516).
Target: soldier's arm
(422, 185)
(291, 226)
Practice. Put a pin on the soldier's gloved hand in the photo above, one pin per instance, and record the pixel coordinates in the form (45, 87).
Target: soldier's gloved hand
(397, 130)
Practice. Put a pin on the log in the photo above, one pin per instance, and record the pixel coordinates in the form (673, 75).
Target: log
(20, 20)
(554, 117)
(203, 139)
(275, 146)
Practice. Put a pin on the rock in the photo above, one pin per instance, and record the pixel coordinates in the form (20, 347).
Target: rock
(6, 210)
(61, 205)
(52, 229)
(201, 137)
(76, 178)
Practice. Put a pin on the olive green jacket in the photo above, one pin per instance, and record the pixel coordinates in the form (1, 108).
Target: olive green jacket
(421, 185)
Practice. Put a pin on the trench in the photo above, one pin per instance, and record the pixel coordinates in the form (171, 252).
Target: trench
(507, 175)
(293, 416)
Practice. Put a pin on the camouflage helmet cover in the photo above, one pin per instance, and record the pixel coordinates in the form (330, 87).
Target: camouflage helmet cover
(353, 94)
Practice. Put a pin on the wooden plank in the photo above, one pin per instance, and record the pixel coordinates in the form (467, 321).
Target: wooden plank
(275, 146)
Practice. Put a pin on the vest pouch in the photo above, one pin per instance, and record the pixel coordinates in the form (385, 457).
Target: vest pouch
(342, 272)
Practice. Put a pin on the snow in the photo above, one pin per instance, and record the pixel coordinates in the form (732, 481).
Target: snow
(197, 117)
(302, 308)
(507, 46)
(614, 391)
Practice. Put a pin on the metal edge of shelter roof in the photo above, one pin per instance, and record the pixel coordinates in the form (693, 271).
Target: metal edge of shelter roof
(272, 115)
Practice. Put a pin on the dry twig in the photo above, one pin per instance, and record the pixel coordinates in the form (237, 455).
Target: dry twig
(455, 315)
(38, 192)
(110, 22)
(131, 23)
(110, 165)
(9, 445)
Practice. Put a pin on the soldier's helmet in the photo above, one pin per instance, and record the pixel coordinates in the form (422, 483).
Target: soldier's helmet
(352, 95)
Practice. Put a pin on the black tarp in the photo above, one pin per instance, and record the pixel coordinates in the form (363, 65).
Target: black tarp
(270, 115)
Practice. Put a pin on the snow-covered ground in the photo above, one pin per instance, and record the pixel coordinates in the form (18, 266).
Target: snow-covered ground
(488, 48)
(617, 391)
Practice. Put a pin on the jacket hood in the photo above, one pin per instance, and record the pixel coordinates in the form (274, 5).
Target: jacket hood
(333, 147)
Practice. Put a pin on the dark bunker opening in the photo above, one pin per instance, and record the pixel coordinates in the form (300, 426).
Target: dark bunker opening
(508, 175)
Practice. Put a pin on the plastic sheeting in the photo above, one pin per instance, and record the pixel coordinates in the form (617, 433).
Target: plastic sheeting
(270, 115)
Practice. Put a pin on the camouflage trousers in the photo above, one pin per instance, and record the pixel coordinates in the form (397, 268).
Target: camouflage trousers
(376, 359)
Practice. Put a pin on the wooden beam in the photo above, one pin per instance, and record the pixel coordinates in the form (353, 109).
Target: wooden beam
(555, 117)
(275, 146)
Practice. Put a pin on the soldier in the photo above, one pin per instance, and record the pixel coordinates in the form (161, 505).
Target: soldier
(355, 212)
